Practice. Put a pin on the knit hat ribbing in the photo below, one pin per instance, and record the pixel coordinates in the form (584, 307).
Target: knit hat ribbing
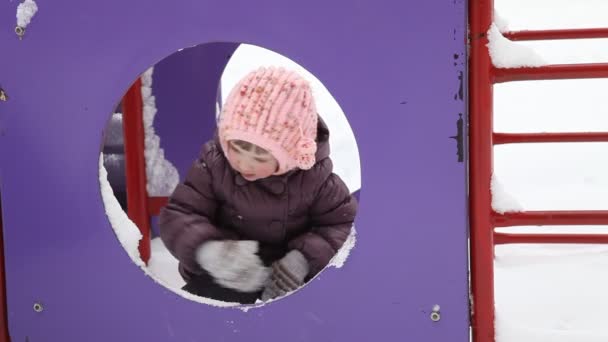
(274, 109)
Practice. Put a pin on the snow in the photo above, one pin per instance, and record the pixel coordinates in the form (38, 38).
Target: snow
(163, 265)
(500, 22)
(551, 293)
(126, 231)
(112, 159)
(552, 14)
(114, 134)
(340, 258)
(25, 12)
(161, 175)
(507, 54)
(554, 176)
(502, 201)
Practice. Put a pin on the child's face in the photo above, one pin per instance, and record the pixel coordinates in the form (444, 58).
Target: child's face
(251, 161)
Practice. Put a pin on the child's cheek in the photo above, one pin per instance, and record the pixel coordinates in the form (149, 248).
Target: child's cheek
(231, 159)
(230, 156)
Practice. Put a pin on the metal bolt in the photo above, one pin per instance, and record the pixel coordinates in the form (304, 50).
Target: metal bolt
(20, 31)
(436, 315)
(38, 307)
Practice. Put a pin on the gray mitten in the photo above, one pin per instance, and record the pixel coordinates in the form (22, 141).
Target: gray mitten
(233, 264)
(287, 275)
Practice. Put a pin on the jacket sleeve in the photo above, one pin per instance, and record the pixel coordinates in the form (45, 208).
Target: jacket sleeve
(331, 216)
(188, 219)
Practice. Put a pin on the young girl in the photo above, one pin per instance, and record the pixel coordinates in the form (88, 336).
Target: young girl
(260, 212)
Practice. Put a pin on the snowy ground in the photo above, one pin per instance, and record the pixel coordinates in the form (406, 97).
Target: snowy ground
(544, 293)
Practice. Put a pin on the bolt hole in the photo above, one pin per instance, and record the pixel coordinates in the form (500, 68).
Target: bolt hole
(38, 307)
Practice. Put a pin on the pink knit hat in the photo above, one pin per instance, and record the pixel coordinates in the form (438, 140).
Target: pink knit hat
(274, 109)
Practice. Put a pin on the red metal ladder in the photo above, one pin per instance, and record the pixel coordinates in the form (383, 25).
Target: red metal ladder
(483, 220)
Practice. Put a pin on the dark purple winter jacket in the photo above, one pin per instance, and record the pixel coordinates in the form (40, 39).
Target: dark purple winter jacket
(311, 211)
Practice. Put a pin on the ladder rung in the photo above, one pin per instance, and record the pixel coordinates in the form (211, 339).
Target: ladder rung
(558, 34)
(551, 72)
(551, 218)
(155, 204)
(504, 238)
(510, 138)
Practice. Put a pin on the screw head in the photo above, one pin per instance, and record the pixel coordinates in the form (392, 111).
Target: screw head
(20, 31)
(38, 307)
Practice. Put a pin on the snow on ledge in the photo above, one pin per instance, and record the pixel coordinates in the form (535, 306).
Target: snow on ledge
(507, 54)
(509, 332)
(501, 23)
(25, 12)
(126, 231)
(502, 201)
(162, 176)
(340, 258)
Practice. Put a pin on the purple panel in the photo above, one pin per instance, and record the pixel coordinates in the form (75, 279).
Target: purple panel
(398, 87)
(185, 86)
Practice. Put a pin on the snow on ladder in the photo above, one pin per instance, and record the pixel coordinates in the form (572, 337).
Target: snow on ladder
(140, 206)
(482, 76)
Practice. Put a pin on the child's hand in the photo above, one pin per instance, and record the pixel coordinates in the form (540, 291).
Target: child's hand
(287, 275)
(233, 264)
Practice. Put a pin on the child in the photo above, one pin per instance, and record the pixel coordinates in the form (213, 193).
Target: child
(260, 212)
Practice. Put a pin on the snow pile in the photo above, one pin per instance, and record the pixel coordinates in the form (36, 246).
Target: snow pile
(507, 54)
(557, 293)
(501, 23)
(556, 176)
(163, 265)
(114, 134)
(127, 232)
(340, 258)
(502, 201)
(25, 12)
(112, 159)
(161, 175)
